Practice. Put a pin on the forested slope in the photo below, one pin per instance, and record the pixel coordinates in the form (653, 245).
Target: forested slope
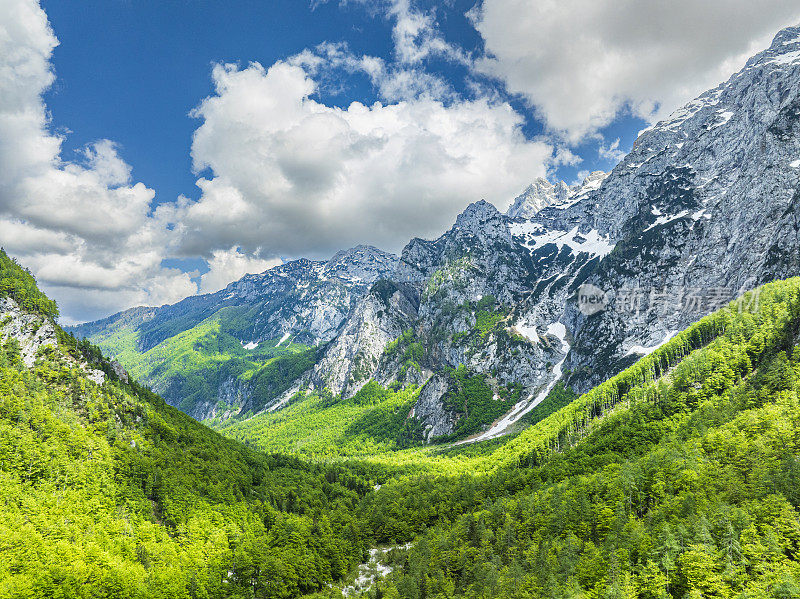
(105, 491)
(677, 478)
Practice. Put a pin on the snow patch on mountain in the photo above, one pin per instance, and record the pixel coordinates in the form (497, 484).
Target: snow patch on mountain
(724, 116)
(640, 350)
(527, 330)
(534, 236)
(502, 426)
(666, 218)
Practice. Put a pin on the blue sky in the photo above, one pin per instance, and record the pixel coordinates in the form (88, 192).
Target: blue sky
(152, 150)
(132, 71)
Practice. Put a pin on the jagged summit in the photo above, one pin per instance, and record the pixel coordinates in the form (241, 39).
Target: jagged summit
(592, 181)
(476, 213)
(539, 194)
(783, 49)
(542, 194)
(363, 262)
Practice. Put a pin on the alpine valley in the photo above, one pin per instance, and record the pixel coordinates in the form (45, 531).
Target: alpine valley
(595, 394)
(705, 205)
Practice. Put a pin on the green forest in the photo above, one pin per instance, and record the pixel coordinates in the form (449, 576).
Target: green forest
(679, 477)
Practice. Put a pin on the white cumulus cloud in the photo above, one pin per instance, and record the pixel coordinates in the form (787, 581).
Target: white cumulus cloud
(416, 35)
(289, 175)
(231, 265)
(581, 62)
(83, 227)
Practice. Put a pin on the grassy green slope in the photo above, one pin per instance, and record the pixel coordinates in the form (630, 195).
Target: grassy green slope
(317, 425)
(188, 368)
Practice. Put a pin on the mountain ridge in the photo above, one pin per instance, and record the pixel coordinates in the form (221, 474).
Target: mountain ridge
(704, 205)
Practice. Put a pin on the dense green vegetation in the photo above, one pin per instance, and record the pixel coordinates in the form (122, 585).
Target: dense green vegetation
(189, 367)
(679, 477)
(389, 418)
(105, 491)
(277, 375)
(19, 284)
(488, 315)
(475, 401)
(560, 396)
(319, 425)
(108, 492)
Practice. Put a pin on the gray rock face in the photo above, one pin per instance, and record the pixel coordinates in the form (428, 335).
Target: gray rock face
(430, 411)
(355, 356)
(706, 205)
(539, 194)
(120, 371)
(34, 332)
(305, 299)
(31, 330)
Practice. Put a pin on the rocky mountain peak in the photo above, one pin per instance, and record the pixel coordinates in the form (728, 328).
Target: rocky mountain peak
(477, 214)
(362, 262)
(542, 194)
(785, 44)
(539, 194)
(592, 181)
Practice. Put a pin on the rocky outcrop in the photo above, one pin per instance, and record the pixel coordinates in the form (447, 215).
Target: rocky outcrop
(31, 331)
(429, 410)
(35, 332)
(120, 371)
(358, 351)
(232, 398)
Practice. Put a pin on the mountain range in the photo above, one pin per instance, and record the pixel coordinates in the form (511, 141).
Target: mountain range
(596, 394)
(702, 209)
